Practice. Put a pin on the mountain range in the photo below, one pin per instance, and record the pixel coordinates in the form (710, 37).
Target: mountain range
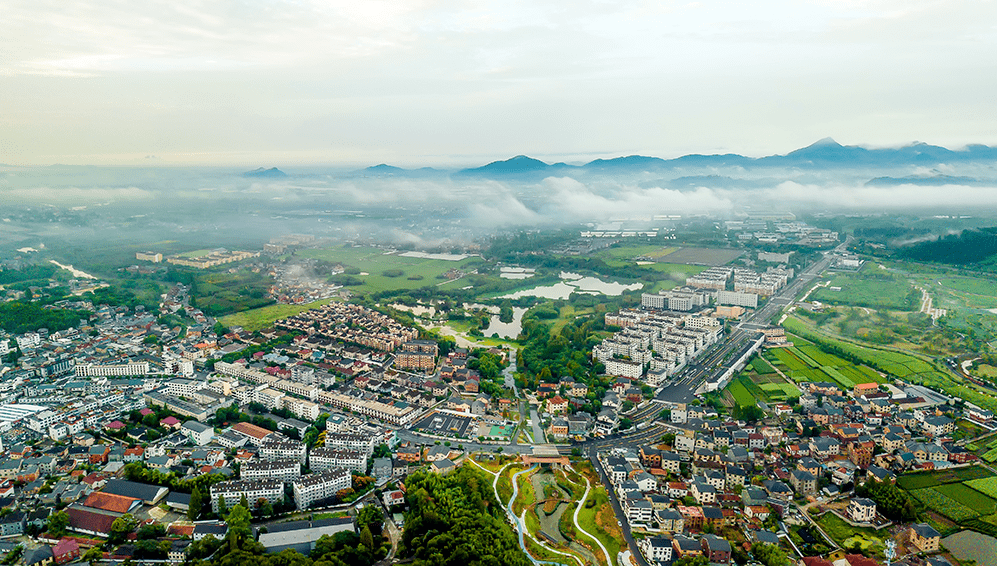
(823, 154)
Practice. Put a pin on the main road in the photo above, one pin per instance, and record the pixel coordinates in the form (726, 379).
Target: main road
(720, 356)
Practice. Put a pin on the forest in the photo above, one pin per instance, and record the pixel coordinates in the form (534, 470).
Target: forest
(455, 520)
(19, 317)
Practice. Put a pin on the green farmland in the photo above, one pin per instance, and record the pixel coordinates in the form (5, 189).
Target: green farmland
(374, 270)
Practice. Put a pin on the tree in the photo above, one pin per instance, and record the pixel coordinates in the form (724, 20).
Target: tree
(121, 527)
(93, 555)
(238, 525)
(222, 508)
(371, 517)
(366, 538)
(196, 504)
(57, 523)
(244, 502)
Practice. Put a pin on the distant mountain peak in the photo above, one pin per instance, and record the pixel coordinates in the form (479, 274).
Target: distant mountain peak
(825, 142)
(513, 165)
(272, 173)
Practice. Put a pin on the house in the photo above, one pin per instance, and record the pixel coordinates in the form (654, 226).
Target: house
(803, 482)
(13, 523)
(557, 405)
(39, 556)
(198, 433)
(924, 537)
(656, 549)
(716, 549)
(216, 529)
(66, 550)
(862, 510)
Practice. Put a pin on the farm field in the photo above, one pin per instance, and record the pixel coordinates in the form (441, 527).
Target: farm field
(263, 317)
(220, 293)
(905, 366)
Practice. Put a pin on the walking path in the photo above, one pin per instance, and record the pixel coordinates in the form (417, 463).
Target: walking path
(520, 522)
(588, 488)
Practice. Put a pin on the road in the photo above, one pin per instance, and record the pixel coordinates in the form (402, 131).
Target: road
(618, 511)
(719, 357)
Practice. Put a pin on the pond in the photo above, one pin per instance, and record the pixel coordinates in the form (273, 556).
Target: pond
(575, 283)
(971, 545)
(496, 326)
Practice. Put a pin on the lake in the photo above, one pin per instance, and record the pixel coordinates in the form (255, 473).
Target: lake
(575, 283)
(496, 326)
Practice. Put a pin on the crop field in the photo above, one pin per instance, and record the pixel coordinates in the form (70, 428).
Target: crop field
(739, 389)
(922, 480)
(703, 256)
(840, 378)
(790, 360)
(760, 366)
(220, 293)
(944, 505)
(966, 495)
(780, 391)
(905, 366)
(986, 486)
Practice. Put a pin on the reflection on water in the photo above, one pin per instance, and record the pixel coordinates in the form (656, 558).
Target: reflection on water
(575, 283)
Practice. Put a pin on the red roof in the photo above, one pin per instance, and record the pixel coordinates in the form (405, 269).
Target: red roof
(115, 425)
(251, 430)
(83, 519)
(110, 502)
(145, 412)
(169, 421)
(65, 546)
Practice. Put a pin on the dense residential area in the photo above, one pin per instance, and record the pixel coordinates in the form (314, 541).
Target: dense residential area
(711, 421)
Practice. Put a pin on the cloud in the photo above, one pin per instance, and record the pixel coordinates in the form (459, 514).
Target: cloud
(575, 200)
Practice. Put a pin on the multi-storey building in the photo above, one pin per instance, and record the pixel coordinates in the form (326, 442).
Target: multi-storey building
(284, 470)
(364, 443)
(232, 491)
(323, 485)
(324, 458)
(94, 370)
(283, 449)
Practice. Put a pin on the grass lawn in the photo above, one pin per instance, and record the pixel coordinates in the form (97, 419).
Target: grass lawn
(375, 262)
(872, 287)
(601, 521)
(195, 253)
(263, 317)
(847, 535)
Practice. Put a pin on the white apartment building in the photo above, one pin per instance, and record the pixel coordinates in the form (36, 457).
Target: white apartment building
(183, 387)
(309, 392)
(301, 408)
(283, 470)
(360, 442)
(269, 398)
(94, 370)
(381, 411)
(283, 449)
(271, 490)
(316, 487)
(324, 458)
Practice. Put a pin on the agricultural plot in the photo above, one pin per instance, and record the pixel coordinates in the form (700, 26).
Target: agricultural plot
(738, 388)
(790, 360)
(841, 379)
(922, 480)
(760, 366)
(946, 506)
(986, 486)
(780, 391)
(965, 495)
(380, 270)
(821, 357)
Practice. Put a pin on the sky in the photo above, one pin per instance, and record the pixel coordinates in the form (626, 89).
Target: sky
(414, 82)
